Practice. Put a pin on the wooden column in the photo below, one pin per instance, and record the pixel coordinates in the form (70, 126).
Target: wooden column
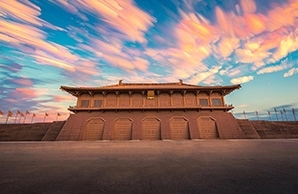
(104, 103)
(117, 98)
(130, 98)
(197, 97)
(91, 103)
(209, 97)
(171, 98)
(222, 97)
(143, 98)
(183, 93)
(158, 100)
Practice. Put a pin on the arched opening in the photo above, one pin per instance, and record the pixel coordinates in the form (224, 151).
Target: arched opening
(94, 128)
(122, 129)
(151, 129)
(207, 127)
(179, 128)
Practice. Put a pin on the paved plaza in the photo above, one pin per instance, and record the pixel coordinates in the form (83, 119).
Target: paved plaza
(202, 166)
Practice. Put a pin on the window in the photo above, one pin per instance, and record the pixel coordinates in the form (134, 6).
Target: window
(216, 102)
(97, 103)
(84, 103)
(150, 94)
(203, 102)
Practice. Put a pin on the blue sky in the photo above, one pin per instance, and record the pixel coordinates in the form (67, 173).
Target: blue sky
(48, 43)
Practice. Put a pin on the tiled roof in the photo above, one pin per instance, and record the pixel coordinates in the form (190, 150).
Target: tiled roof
(149, 86)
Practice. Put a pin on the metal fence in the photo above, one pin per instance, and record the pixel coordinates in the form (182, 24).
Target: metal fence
(281, 114)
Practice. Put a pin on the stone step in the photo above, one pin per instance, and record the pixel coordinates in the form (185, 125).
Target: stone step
(53, 131)
(248, 129)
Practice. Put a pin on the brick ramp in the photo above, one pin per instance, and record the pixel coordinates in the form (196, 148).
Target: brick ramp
(275, 130)
(248, 129)
(228, 128)
(53, 131)
(71, 131)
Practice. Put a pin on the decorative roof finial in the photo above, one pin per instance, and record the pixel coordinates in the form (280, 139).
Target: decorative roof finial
(120, 82)
(180, 81)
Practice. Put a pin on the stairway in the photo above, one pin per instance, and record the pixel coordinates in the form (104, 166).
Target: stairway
(276, 129)
(248, 129)
(53, 131)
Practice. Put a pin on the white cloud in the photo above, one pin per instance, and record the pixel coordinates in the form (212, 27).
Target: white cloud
(273, 69)
(291, 72)
(196, 79)
(240, 80)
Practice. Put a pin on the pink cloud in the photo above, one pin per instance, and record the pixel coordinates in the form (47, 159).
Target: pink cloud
(45, 51)
(255, 23)
(43, 58)
(226, 46)
(26, 11)
(116, 54)
(248, 6)
(87, 67)
(24, 93)
(224, 22)
(64, 98)
(247, 56)
(287, 45)
(122, 15)
(23, 81)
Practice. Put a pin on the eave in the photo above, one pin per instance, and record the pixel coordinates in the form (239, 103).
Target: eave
(185, 108)
(77, 91)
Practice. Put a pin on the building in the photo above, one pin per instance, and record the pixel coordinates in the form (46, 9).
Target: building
(150, 111)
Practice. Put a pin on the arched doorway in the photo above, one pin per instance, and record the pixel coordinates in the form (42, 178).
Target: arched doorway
(122, 129)
(151, 129)
(179, 128)
(94, 128)
(207, 127)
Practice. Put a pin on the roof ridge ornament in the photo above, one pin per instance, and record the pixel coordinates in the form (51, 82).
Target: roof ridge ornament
(180, 81)
(120, 82)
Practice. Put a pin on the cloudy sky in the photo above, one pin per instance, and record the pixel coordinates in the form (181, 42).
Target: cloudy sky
(48, 43)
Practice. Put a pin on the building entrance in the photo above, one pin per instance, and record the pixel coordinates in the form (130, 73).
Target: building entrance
(122, 129)
(207, 127)
(151, 129)
(94, 129)
(179, 128)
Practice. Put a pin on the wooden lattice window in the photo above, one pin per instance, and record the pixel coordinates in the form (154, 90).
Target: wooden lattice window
(216, 102)
(84, 103)
(204, 102)
(97, 103)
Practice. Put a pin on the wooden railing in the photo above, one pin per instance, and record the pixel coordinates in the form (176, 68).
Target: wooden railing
(224, 107)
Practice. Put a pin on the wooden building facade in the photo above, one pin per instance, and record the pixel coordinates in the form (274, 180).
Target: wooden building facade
(150, 111)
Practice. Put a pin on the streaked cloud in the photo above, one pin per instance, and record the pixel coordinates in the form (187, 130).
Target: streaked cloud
(23, 81)
(200, 76)
(273, 68)
(25, 93)
(123, 16)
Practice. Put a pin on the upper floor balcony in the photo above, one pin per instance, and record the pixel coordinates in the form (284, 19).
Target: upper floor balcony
(225, 107)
